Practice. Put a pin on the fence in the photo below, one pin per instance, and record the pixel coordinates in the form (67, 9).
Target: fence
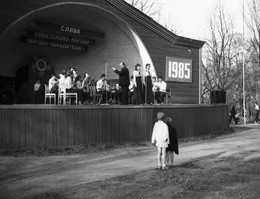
(25, 126)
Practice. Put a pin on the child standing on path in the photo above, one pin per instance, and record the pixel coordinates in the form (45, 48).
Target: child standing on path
(173, 146)
(160, 137)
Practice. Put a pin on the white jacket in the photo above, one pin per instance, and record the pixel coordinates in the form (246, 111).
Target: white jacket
(160, 134)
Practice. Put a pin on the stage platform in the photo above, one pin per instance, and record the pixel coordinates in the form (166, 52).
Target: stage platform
(47, 126)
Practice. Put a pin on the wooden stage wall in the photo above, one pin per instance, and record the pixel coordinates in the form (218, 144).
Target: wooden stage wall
(26, 126)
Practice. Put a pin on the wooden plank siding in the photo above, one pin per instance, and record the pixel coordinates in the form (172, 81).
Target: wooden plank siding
(56, 126)
(193, 120)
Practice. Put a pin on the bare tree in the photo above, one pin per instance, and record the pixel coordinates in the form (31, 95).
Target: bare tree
(152, 8)
(222, 53)
(253, 24)
(146, 6)
(169, 22)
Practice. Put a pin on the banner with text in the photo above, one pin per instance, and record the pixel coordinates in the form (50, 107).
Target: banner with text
(178, 69)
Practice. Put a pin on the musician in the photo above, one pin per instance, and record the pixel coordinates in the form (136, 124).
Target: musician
(85, 82)
(155, 88)
(62, 78)
(86, 88)
(149, 98)
(138, 85)
(92, 90)
(54, 85)
(74, 73)
(103, 89)
(161, 94)
(155, 84)
(77, 84)
(118, 94)
(123, 81)
(38, 92)
(71, 87)
(68, 80)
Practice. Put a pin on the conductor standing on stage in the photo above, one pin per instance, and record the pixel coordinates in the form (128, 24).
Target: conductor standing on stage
(124, 81)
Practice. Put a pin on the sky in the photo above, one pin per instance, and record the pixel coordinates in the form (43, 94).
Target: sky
(190, 16)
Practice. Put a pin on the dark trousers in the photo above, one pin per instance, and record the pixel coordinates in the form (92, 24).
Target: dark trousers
(57, 95)
(86, 96)
(116, 97)
(138, 94)
(159, 96)
(232, 116)
(131, 97)
(124, 94)
(105, 96)
(38, 97)
(78, 91)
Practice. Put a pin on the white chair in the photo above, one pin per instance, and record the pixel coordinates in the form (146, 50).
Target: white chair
(70, 96)
(66, 98)
(61, 97)
(49, 96)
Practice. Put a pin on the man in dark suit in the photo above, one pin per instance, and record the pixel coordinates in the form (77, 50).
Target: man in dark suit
(124, 81)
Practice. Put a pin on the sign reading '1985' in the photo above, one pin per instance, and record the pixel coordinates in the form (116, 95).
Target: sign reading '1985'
(178, 69)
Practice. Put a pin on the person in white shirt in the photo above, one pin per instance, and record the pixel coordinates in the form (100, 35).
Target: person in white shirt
(68, 81)
(160, 137)
(53, 83)
(257, 112)
(37, 85)
(103, 89)
(69, 84)
(62, 86)
(161, 94)
(101, 83)
(155, 88)
(54, 86)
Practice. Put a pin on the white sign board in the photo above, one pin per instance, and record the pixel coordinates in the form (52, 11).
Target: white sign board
(178, 70)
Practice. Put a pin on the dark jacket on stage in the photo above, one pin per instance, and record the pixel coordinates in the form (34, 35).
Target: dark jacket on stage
(123, 76)
(173, 146)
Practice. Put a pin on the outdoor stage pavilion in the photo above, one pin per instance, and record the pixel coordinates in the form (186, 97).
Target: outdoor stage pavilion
(40, 37)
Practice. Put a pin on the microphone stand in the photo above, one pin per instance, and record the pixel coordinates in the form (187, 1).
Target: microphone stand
(106, 81)
(145, 90)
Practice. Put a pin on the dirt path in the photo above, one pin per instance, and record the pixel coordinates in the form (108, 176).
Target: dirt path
(129, 172)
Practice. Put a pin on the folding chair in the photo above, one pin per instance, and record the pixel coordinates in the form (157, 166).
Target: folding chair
(49, 96)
